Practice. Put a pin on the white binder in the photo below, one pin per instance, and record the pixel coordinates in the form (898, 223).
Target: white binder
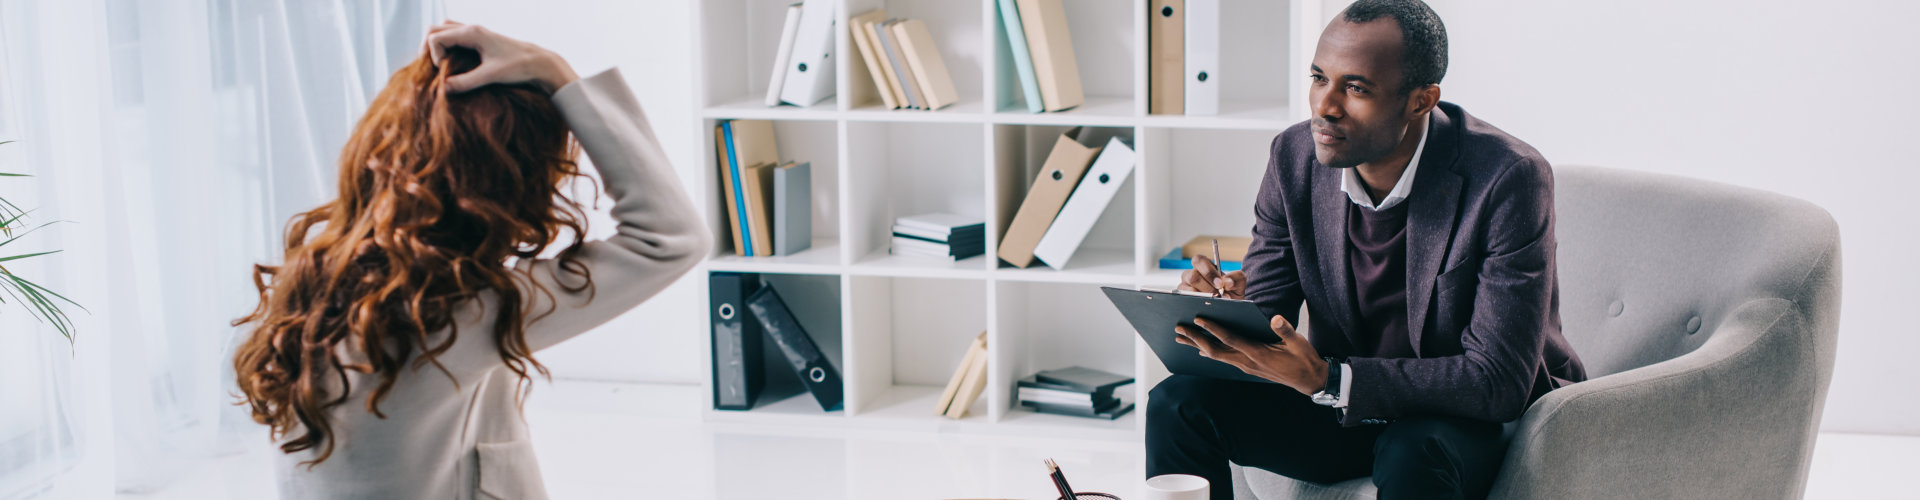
(810, 69)
(779, 72)
(1084, 207)
(1203, 57)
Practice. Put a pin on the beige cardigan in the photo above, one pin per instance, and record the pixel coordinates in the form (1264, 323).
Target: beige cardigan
(444, 439)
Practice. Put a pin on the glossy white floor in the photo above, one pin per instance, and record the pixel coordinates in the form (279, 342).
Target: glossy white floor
(602, 440)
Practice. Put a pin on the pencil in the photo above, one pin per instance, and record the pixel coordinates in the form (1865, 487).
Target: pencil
(1060, 480)
(1217, 292)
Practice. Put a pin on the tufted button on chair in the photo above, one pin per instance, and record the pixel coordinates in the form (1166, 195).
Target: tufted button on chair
(1706, 315)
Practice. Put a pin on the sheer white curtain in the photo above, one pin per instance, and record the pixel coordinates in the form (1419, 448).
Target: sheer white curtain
(178, 135)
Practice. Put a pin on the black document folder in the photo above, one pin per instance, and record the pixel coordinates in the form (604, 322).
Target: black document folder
(738, 370)
(815, 370)
(1154, 314)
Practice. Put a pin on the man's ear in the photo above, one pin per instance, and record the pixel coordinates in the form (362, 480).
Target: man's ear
(1423, 100)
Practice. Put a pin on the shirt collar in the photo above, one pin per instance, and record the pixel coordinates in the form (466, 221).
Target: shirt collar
(1357, 191)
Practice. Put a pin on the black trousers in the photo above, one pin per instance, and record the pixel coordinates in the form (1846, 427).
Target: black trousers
(1195, 425)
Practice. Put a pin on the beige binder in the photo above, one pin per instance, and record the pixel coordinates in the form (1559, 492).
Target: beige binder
(726, 181)
(1052, 50)
(869, 50)
(753, 141)
(1065, 165)
(928, 68)
(1166, 64)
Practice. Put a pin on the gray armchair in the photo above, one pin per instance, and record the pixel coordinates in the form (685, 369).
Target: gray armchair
(1706, 315)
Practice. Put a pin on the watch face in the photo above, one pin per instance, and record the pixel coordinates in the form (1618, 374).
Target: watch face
(1324, 399)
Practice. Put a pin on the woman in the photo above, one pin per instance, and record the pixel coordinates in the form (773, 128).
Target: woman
(391, 349)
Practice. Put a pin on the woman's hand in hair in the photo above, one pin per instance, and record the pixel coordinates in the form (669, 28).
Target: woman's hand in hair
(503, 60)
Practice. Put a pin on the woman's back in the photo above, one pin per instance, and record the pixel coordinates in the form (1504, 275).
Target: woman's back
(431, 408)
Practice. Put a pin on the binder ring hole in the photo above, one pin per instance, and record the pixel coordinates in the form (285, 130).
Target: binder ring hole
(1203, 74)
(726, 311)
(803, 69)
(1103, 178)
(817, 374)
(1166, 11)
(1056, 175)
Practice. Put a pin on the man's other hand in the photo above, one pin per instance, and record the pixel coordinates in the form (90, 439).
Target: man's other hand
(1292, 362)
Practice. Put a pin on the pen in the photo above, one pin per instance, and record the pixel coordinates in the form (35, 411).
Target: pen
(1216, 266)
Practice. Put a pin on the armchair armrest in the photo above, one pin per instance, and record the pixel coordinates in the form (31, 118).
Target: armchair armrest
(1735, 418)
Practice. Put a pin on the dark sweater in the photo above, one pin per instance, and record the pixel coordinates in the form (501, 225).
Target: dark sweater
(1377, 253)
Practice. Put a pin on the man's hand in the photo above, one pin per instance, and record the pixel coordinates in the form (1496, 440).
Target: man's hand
(1205, 277)
(1293, 362)
(502, 60)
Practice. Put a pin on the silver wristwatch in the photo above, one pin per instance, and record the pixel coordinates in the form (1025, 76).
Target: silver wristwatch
(1330, 395)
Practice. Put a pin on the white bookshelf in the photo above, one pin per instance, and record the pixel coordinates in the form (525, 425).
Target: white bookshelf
(897, 327)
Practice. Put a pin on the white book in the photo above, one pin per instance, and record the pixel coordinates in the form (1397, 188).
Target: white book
(810, 67)
(1203, 57)
(940, 235)
(1084, 206)
(1046, 396)
(943, 222)
(780, 57)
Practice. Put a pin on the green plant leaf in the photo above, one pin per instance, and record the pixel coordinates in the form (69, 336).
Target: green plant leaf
(18, 257)
(45, 310)
(51, 292)
(24, 234)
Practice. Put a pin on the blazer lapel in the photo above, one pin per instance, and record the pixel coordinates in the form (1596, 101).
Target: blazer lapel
(1431, 210)
(1330, 241)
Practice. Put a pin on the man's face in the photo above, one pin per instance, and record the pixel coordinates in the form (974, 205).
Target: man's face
(1359, 112)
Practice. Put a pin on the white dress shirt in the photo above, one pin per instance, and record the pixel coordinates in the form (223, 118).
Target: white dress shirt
(1357, 191)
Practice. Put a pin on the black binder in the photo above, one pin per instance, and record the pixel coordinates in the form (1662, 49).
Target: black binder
(738, 370)
(812, 366)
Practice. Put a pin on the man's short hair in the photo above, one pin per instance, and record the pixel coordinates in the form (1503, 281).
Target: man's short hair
(1424, 59)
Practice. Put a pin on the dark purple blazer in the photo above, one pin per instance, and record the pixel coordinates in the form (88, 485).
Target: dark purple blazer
(1483, 301)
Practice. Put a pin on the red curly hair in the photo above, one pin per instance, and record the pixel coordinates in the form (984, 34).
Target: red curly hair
(438, 192)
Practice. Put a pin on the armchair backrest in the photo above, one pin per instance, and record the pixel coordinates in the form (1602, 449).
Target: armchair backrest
(1649, 264)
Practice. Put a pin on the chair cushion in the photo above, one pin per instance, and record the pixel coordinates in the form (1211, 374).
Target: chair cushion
(1259, 484)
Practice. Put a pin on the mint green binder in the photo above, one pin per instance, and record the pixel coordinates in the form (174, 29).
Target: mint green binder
(1022, 61)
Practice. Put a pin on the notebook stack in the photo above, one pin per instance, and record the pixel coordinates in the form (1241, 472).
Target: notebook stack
(1076, 391)
(900, 57)
(940, 235)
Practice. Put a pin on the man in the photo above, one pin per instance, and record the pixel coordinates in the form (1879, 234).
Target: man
(1421, 240)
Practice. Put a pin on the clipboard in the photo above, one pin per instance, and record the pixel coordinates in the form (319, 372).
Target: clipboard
(1154, 314)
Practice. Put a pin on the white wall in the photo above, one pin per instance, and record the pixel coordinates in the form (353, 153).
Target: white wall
(1811, 99)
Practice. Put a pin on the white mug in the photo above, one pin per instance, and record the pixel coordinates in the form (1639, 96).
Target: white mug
(1176, 487)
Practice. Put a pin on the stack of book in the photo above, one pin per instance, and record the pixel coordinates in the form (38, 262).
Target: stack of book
(768, 202)
(1042, 54)
(900, 56)
(939, 235)
(1076, 391)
